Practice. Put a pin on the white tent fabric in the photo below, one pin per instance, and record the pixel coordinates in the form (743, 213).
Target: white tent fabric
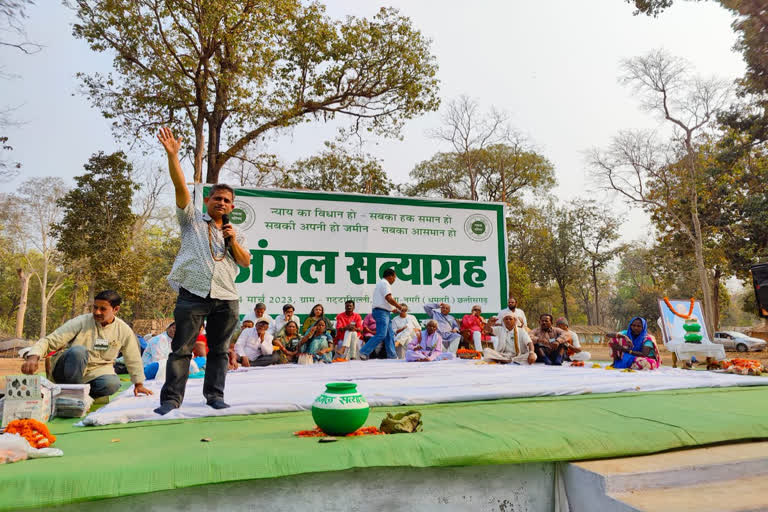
(284, 388)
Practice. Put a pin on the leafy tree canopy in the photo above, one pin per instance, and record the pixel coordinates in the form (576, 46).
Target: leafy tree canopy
(240, 69)
(337, 169)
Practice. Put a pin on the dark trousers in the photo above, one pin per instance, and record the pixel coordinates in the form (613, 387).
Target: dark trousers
(548, 356)
(189, 314)
(272, 358)
(70, 367)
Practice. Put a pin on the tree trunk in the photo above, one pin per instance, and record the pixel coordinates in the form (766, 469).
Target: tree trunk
(91, 294)
(199, 125)
(594, 286)
(706, 291)
(21, 313)
(565, 301)
(716, 297)
(214, 142)
(701, 269)
(75, 290)
(44, 299)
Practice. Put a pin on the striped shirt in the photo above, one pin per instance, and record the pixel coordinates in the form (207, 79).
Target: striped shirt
(195, 270)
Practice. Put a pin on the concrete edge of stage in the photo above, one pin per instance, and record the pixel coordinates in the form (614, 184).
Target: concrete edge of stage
(511, 487)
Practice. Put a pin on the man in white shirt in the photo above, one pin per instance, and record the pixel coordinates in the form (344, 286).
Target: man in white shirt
(406, 329)
(254, 346)
(382, 306)
(279, 322)
(158, 347)
(518, 312)
(512, 343)
(259, 313)
(575, 353)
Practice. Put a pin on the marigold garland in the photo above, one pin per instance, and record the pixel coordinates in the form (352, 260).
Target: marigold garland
(577, 363)
(465, 353)
(742, 366)
(339, 360)
(672, 309)
(362, 431)
(35, 432)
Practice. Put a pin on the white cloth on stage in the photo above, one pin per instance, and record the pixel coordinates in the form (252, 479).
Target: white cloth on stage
(578, 356)
(387, 383)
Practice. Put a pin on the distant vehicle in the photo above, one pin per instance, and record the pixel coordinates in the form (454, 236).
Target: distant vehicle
(733, 340)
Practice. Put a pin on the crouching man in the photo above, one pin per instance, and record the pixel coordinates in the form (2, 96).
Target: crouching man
(86, 348)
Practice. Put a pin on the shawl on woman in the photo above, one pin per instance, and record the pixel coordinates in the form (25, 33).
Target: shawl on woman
(637, 344)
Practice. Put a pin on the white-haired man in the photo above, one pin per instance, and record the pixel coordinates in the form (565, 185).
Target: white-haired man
(512, 343)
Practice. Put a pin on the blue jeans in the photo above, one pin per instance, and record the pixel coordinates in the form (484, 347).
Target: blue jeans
(70, 367)
(384, 333)
(189, 314)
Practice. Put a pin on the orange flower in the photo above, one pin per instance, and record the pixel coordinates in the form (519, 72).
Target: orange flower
(35, 432)
(362, 431)
(468, 354)
(684, 317)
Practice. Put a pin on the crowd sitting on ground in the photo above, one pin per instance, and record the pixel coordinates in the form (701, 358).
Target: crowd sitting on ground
(505, 338)
(264, 341)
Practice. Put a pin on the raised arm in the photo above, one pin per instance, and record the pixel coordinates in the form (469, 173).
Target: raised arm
(172, 146)
(430, 307)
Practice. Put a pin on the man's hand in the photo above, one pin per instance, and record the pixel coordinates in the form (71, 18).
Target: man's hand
(531, 358)
(233, 364)
(171, 144)
(245, 362)
(228, 231)
(139, 389)
(30, 365)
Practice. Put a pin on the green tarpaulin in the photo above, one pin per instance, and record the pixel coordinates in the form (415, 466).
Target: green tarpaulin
(119, 460)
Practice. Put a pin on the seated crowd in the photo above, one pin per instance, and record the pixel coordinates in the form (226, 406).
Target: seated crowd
(264, 341)
(502, 339)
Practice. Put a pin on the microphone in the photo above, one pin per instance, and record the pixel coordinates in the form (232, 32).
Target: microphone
(224, 222)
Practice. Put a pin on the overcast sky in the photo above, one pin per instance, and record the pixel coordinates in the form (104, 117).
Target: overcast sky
(551, 64)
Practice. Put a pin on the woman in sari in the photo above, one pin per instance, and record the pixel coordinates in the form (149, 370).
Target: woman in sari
(634, 348)
(317, 313)
(318, 342)
(427, 347)
(288, 343)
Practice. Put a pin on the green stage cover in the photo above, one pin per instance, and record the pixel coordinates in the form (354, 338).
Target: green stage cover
(120, 460)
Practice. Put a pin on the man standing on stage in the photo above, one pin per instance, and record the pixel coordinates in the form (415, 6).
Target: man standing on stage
(382, 305)
(204, 275)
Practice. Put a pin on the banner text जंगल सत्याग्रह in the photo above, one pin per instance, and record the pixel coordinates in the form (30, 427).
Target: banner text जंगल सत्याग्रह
(312, 248)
